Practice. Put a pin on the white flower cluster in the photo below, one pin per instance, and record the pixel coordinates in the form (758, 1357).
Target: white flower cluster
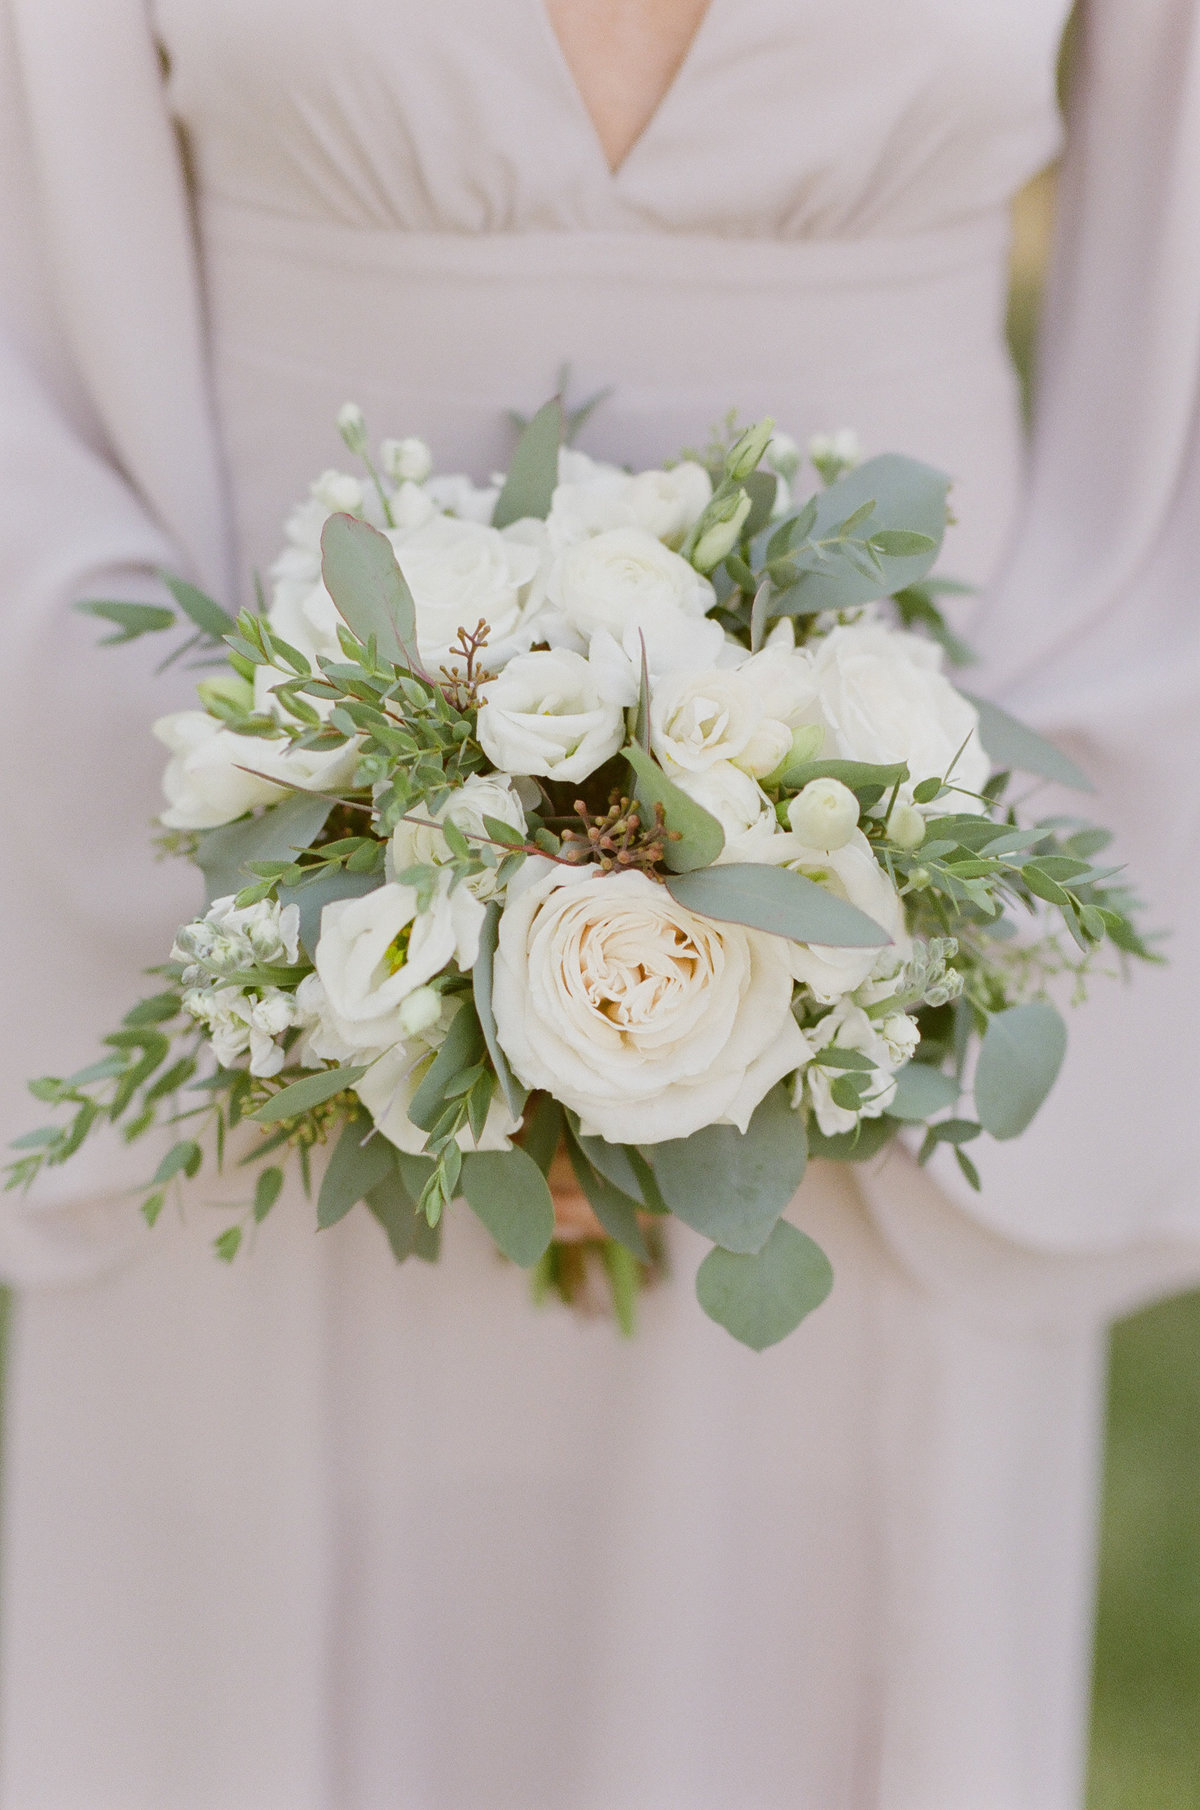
(223, 952)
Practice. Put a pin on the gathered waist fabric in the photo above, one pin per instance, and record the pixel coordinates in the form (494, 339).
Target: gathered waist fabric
(444, 334)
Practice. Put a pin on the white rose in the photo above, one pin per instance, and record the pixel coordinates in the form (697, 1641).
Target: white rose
(740, 806)
(544, 714)
(852, 873)
(700, 718)
(885, 698)
(624, 578)
(207, 781)
(644, 1018)
(673, 643)
(668, 504)
(848, 1027)
(373, 952)
(459, 572)
(480, 796)
(824, 814)
(387, 1089)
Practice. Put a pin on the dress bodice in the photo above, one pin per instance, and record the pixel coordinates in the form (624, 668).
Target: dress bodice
(788, 119)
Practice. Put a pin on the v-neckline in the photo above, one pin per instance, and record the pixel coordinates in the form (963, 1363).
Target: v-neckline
(583, 112)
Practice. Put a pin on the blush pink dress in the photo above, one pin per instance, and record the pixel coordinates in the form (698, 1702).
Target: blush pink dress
(318, 1533)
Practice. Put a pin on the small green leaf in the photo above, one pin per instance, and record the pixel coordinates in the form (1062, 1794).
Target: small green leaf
(361, 1160)
(543, 1132)
(733, 1186)
(515, 1095)
(1019, 1060)
(130, 619)
(294, 823)
(509, 1193)
(902, 543)
(922, 1090)
(760, 1298)
(701, 838)
(1011, 743)
(183, 1158)
(856, 774)
(156, 1010)
(369, 591)
(228, 1244)
(266, 1192)
(614, 1209)
(203, 610)
(777, 900)
(533, 472)
(396, 1210)
(294, 1101)
(926, 791)
(152, 1206)
(462, 1048)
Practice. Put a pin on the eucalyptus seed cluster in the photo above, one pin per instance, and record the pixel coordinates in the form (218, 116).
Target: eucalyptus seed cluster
(618, 840)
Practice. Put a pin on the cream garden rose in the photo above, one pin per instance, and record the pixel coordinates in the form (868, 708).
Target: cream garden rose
(644, 1018)
(546, 714)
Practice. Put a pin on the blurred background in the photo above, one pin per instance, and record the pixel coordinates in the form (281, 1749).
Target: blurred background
(1145, 1751)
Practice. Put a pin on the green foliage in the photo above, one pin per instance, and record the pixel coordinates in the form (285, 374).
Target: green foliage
(299, 1097)
(131, 619)
(616, 1210)
(509, 1193)
(369, 591)
(1019, 1060)
(761, 1297)
(1013, 744)
(533, 472)
(921, 1091)
(361, 1161)
(481, 978)
(733, 1186)
(700, 837)
(278, 834)
(777, 900)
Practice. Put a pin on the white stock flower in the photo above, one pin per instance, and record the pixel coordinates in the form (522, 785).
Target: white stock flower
(372, 953)
(851, 873)
(480, 796)
(740, 806)
(240, 1022)
(545, 714)
(700, 718)
(644, 1018)
(228, 937)
(214, 776)
(624, 578)
(824, 814)
(889, 1046)
(885, 698)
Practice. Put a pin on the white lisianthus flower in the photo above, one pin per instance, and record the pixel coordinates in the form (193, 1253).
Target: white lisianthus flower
(460, 571)
(885, 698)
(387, 1089)
(740, 806)
(852, 873)
(673, 643)
(545, 714)
(848, 1027)
(215, 776)
(824, 814)
(644, 1018)
(480, 796)
(376, 950)
(700, 718)
(624, 578)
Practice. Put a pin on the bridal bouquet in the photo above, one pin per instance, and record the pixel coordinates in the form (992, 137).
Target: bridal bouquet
(619, 826)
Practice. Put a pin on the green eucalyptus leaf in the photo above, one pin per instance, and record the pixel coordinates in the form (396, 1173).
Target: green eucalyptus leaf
(762, 1297)
(267, 1190)
(909, 497)
(762, 487)
(515, 1095)
(857, 1146)
(614, 1209)
(853, 773)
(396, 1210)
(922, 1090)
(276, 835)
(130, 619)
(701, 838)
(203, 610)
(312, 898)
(301, 1096)
(616, 1163)
(509, 1193)
(362, 1158)
(777, 900)
(183, 1158)
(369, 591)
(733, 1186)
(533, 473)
(462, 1048)
(1011, 743)
(1019, 1060)
(543, 1131)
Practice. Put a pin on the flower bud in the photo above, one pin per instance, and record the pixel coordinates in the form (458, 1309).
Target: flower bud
(407, 461)
(807, 742)
(744, 457)
(783, 456)
(832, 454)
(227, 688)
(768, 746)
(338, 492)
(419, 1011)
(352, 427)
(719, 540)
(824, 815)
(906, 826)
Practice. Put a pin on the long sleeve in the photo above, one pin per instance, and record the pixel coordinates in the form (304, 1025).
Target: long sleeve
(1093, 633)
(84, 907)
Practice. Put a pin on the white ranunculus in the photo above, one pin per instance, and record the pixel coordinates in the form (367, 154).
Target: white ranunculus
(373, 952)
(700, 718)
(740, 806)
(668, 504)
(673, 643)
(885, 698)
(623, 578)
(644, 1018)
(545, 714)
(459, 572)
(387, 1089)
(852, 873)
(889, 1046)
(781, 676)
(480, 796)
(215, 776)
